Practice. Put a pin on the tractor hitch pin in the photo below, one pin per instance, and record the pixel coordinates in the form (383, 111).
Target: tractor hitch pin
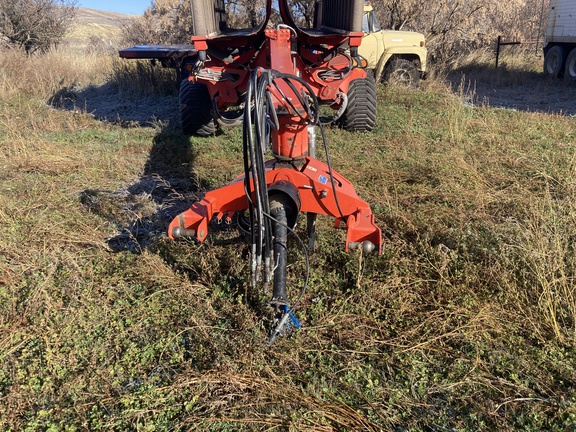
(366, 246)
(179, 232)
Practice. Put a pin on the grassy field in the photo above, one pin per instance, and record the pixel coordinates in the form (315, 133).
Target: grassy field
(466, 322)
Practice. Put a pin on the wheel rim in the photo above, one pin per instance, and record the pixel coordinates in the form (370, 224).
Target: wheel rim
(571, 69)
(553, 64)
(554, 61)
(402, 76)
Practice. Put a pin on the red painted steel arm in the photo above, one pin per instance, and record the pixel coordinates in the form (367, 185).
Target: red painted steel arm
(316, 195)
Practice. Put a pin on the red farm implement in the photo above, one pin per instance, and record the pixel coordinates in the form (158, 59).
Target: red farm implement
(276, 79)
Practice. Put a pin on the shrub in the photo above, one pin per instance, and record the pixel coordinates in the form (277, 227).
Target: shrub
(34, 25)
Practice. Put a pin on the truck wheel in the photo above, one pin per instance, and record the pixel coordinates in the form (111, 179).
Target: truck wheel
(360, 114)
(196, 109)
(570, 71)
(553, 62)
(401, 72)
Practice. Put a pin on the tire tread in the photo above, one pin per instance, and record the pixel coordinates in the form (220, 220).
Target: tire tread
(195, 109)
(360, 114)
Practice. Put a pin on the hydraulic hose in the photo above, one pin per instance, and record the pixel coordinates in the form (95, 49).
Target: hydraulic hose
(280, 230)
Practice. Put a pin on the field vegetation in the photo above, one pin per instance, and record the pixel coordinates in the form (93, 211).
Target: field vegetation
(467, 321)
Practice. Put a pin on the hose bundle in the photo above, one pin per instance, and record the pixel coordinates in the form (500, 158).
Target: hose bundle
(269, 228)
(260, 117)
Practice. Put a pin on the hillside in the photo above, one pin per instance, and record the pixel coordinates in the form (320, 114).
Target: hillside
(91, 25)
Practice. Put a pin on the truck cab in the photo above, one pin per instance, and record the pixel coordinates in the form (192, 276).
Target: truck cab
(393, 56)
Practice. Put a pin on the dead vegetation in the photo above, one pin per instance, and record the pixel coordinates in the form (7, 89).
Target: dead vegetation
(466, 322)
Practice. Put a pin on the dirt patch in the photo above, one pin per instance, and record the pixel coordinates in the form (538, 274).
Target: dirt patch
(108, 103)
(517, 90)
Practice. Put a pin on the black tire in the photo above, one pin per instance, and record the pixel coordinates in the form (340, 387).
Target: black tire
(360, 114)
(401, 72)
(570, 70)
(196, 109)
(554, 62)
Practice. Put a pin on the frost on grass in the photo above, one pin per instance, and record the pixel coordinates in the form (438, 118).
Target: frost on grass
(140, 213)
(108, 103)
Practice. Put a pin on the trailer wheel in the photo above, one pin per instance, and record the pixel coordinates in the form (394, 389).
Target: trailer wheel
(570, 71)
(196, 109)
(553, 62)
(401, 72)
(360, 114)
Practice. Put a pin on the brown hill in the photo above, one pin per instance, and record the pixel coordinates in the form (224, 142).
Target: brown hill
(96, 29)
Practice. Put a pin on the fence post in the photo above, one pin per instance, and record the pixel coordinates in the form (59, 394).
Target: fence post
(498, 50)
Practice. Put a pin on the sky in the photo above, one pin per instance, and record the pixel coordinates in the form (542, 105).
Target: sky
(136, 7)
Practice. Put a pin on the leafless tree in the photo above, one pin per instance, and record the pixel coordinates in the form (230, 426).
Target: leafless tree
(34, 25)
(302, 12)
(455, 27)
(244, 13)
(451, 27)
(170, 21)
(164, 22)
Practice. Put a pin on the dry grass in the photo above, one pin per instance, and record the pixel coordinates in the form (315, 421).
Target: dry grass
(544, 250)
(43, 76)
(144, 77)
(514, 58)
(466, 322)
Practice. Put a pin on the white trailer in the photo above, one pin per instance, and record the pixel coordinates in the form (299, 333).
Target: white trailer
(560, 41)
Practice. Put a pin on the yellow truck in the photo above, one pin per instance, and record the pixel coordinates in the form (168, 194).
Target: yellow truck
(393, 56)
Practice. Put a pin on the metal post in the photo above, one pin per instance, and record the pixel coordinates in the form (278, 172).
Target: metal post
(498, 50)
(539, 26)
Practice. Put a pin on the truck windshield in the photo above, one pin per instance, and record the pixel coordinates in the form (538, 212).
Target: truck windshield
(370, 23)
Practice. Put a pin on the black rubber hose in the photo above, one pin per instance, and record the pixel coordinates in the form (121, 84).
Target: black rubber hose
(280, 228)
(247, 139)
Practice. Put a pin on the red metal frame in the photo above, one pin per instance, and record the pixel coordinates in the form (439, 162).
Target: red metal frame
(316, 196)
(275, 53)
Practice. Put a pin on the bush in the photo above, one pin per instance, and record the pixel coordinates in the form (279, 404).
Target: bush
(164, 22)
(34, 25)
(456, 28)
(452, 29)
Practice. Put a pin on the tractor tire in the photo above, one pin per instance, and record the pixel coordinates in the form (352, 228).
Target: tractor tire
(360, 114)
(196, 109)
(554, 62)
(401, 72)
(570, 70)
